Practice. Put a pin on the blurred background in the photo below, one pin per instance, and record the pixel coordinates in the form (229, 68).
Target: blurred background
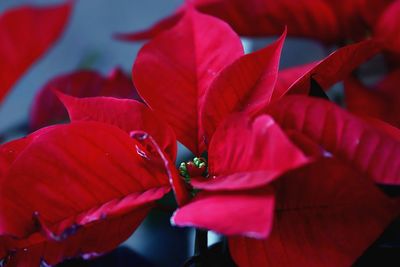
(88, 43)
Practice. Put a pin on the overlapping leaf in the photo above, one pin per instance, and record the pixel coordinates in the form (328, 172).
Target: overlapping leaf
(244, 158)
(349, 138)
(329, 221)
(334, 68)
(91, 177)
(173, 71)
(130, 116)
(246, 85)
(219, 212)
(243, 145)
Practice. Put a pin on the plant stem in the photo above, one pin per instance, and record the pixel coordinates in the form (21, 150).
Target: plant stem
(201, 243)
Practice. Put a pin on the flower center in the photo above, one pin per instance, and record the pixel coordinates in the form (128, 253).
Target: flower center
(193, 168)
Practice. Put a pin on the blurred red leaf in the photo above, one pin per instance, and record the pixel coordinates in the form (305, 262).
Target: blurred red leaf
(47, 108)
(379, 101)
(303, 18)
(26, 33)
(387, 28)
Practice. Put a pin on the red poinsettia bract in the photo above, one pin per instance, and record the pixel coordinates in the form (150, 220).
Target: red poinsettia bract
(324, 20)
(47, 109)
(26, 33)
(378, 101)
(313, 226)
(75, 189)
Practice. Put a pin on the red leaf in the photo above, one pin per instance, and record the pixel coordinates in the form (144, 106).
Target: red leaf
(261, 18)
(350, 19)
(306, 144)
(177, 183)
(245, 85)
(372, 10)
(184, 63)
(288, 77)
(242, 145)
(330, 221)
(390, 130)
(380, 101)
(47, 109)
(236, 181)
(387, 28)
(219, 212)
(243, 155)
(97, 238)
(156, 29)
(26, 33)
(336, 67)
(91, 177)
(351, 139)
(129, 115)
(11, 150)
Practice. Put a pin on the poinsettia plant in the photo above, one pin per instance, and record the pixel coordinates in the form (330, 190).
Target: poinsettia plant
(285, 175)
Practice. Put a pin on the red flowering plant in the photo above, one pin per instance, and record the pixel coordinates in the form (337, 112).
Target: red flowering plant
(288, 178)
